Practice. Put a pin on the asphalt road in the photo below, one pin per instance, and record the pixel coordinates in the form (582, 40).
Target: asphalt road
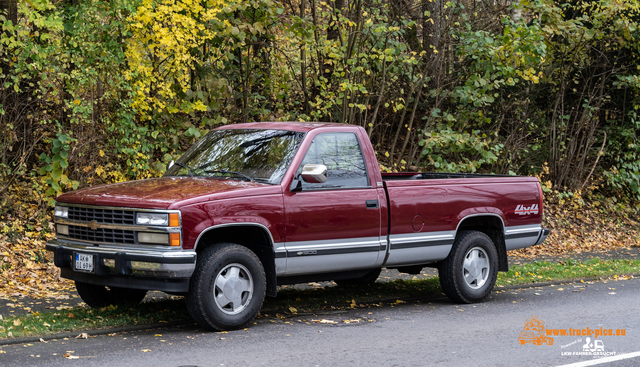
(430, 332)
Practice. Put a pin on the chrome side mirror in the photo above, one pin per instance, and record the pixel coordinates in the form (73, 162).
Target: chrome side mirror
(170, 165)
(314, 173)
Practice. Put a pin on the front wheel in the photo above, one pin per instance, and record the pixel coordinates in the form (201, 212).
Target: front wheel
(227, 288)
(470, 271)
(100, 296)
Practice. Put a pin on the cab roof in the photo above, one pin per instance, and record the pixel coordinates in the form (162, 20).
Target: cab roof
(287, 125)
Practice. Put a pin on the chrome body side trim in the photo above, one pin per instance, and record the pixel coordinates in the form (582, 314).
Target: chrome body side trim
(280, 253)
(323, 256)
(517, 237)
(419, 248)
(339, 245)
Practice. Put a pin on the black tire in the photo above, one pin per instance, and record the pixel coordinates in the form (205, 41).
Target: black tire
(97, 296)
(231, 269)
(366, 279)
(471, 282)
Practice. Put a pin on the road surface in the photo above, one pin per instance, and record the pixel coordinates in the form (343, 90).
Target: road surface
(432, 331)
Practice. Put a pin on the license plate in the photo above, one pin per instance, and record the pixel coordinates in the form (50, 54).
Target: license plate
(84, 262)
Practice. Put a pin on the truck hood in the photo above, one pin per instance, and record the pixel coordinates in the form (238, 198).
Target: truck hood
(166, 192)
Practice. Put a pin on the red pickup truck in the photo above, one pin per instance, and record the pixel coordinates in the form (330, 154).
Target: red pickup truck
(253, 206)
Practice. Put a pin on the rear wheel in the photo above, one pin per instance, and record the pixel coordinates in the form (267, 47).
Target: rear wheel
(366, 279)
(227, 288)
(100, 296)
(469, 273)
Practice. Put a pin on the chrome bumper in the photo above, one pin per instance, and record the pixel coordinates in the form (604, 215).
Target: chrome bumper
(543, 236)
(123, 267)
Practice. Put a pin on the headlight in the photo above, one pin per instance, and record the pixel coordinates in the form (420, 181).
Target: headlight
(61, 211)
(160, 238)
(153, 219)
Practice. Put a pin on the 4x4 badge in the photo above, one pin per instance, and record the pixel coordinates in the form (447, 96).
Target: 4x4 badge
(523, 210)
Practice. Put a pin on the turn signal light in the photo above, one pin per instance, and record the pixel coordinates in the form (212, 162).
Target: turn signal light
(174, 239)
(174, 220)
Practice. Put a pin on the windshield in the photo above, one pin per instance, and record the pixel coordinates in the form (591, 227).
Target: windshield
(257, 155)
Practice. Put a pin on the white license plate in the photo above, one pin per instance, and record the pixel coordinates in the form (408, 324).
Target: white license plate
(84, 262)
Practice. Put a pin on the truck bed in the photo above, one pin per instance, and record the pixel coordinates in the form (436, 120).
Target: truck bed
(435, 175)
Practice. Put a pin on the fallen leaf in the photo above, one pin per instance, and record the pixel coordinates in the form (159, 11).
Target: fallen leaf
(82, 336)
(146, 350)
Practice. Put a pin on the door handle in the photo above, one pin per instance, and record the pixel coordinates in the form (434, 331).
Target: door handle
(372, 204)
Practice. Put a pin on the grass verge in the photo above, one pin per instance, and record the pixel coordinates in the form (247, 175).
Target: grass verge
(292, 300)
(543, 271)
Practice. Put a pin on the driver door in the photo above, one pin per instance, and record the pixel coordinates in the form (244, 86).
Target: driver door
(333, 226)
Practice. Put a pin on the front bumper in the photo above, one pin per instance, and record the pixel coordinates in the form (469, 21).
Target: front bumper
(167, 271)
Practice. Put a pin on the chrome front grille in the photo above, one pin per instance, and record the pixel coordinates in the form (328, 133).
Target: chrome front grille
(109, 216)
(104, 235)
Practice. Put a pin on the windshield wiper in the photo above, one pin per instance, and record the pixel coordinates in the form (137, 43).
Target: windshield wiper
(233, 173)
(187, 167)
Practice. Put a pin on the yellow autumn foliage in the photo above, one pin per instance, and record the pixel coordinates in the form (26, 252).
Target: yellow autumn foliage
(162, 52)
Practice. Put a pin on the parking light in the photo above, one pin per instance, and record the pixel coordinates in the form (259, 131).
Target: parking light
(159, 238)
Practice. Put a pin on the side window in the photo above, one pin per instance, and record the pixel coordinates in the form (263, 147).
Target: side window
(342, 155)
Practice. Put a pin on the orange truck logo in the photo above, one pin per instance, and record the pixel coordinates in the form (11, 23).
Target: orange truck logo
(533, 332)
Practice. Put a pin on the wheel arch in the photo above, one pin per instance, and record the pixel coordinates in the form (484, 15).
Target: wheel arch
(492, 225)
(253, 236)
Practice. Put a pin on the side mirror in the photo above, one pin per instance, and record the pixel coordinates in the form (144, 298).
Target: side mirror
(170, 165)
(314, 173)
